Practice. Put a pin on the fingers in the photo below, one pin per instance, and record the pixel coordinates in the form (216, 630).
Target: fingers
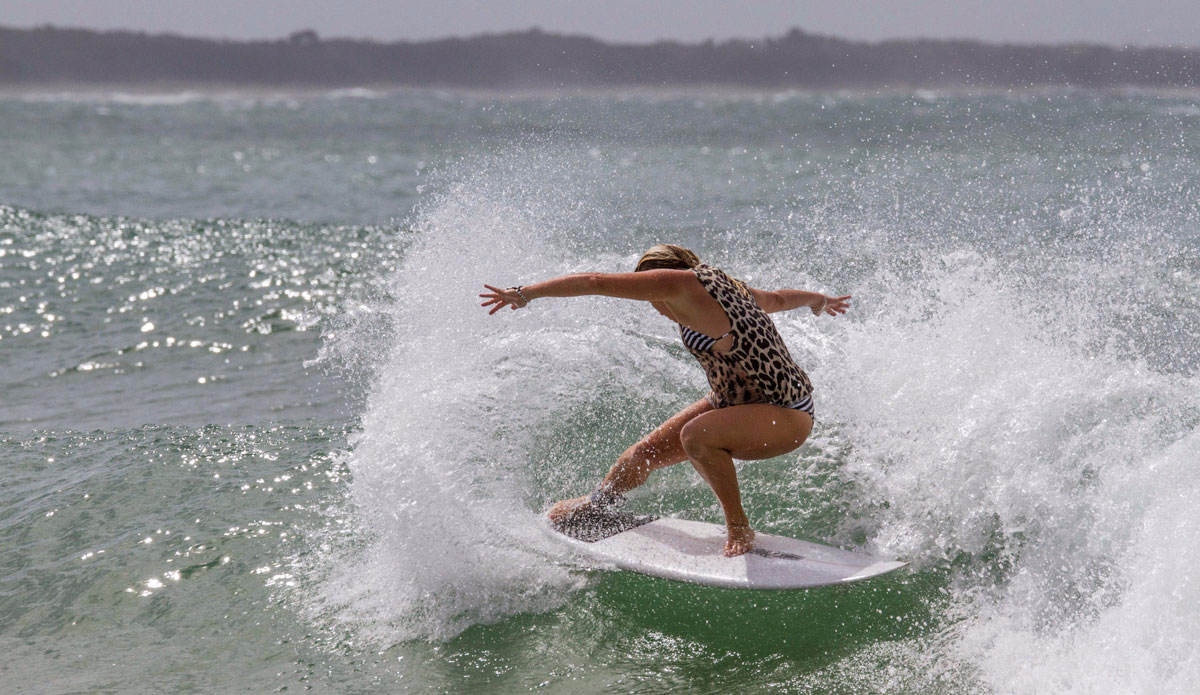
(495, 299)
(835, 306)
(498, 299)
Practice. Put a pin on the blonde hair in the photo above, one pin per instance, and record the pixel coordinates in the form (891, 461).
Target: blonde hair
(667, 256)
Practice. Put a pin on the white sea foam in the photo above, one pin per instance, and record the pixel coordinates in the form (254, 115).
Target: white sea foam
(998, 437)
(441, 469)
(1063, 474)
(148, 98)
(356, 93)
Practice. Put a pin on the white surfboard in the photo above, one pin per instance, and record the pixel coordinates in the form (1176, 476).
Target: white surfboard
(692, 551)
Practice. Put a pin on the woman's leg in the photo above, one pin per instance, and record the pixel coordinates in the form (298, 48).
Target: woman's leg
(659, 449)
(748, 432)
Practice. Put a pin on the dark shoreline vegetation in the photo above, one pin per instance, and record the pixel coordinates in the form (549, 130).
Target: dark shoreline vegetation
(536, 59)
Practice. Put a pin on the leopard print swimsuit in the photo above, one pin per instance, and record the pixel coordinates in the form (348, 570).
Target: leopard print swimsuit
(758, 367)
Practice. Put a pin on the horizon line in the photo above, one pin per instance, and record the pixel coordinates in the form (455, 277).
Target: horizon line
(535, 29)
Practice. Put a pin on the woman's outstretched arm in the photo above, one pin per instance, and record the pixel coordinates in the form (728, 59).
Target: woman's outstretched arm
(649, 285)
(786, 300)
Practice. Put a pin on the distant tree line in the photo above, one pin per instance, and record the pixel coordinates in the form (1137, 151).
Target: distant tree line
(48, 55)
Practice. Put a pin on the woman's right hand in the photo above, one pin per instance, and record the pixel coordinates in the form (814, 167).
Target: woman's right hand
(502, 298)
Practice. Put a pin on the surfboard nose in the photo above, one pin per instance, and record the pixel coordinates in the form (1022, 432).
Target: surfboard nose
(881, 567)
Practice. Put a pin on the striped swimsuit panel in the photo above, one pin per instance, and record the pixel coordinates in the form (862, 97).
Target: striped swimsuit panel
(804, 405)
(695, 340)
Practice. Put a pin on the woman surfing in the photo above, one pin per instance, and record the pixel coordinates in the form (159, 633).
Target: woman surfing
(760, 405)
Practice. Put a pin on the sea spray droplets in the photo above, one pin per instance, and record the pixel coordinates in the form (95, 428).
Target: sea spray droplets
(1045, 456)
(443, 467)
(438, 466)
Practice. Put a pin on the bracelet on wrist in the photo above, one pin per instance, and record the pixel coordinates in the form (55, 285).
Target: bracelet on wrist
(521, 294)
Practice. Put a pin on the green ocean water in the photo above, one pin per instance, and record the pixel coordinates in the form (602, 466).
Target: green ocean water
(257, 435)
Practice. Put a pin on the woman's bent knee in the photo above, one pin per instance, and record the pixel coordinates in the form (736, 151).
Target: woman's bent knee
(695, 441)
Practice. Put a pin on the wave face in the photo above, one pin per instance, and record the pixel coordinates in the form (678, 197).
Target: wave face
(261, 406)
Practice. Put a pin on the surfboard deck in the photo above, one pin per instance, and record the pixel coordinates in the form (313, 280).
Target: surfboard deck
(692, 551)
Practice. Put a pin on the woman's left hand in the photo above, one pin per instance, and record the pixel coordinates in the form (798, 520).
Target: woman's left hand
(832, 306)
(502, 298)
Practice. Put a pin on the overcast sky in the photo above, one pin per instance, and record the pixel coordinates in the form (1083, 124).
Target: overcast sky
(1145, 22)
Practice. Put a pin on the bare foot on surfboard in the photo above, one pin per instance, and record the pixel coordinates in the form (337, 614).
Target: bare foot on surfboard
(563, 511)
(740, 540)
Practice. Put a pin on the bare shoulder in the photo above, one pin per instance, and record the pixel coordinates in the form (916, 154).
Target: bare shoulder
(667, 275)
